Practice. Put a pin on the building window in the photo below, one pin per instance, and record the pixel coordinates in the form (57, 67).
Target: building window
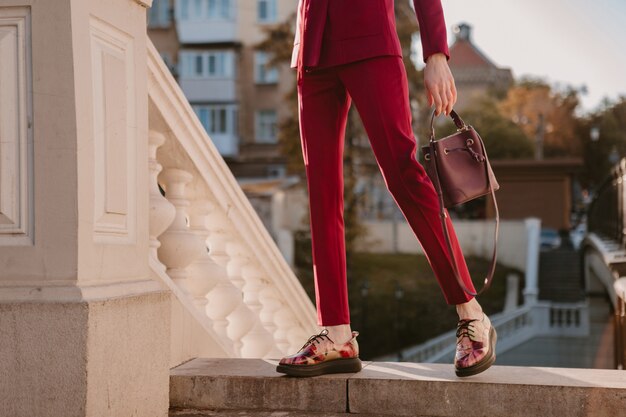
(276, 171)
(159, 14)
(266, 129)
(263, 74)
(219, 9)
(205, 9)
(184, 9)
(266, 11)
(208, 64)
(218, 119)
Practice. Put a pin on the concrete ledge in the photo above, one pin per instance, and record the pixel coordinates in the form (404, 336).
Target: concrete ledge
(410, 389)
(399, 389)
(253, 384)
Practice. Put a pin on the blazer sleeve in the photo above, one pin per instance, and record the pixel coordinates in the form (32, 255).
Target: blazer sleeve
(432, 27)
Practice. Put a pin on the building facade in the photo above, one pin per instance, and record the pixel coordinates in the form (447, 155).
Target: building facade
(210, 48)
(475, 75)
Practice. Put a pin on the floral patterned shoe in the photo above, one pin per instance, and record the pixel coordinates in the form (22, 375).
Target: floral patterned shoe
(475, 346)
(320, 355)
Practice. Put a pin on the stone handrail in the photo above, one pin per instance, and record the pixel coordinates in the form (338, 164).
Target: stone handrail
(211, 242)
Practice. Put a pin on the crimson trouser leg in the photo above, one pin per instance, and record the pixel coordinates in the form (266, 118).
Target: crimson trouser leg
(378, 87)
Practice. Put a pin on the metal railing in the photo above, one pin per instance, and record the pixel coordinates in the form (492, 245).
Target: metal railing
(543, 318)
(606, 212)
(620, 324)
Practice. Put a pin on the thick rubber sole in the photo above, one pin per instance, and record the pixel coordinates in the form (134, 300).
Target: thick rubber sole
(485, 363)
(336, 366)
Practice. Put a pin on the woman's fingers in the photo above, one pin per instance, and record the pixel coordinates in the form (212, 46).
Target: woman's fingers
(438, 99)
(449, 101)
(454, 94)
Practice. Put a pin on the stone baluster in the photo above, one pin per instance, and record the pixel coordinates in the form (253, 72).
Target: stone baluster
(271, 304)
(242, 320)
(286, 328)
(162, 212)
(204, 272)
(258, 342)
(179, 244)
(242, 265)
(237, 258)
(225, 297)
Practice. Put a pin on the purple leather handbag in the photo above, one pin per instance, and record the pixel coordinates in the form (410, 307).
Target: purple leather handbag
(459, 168)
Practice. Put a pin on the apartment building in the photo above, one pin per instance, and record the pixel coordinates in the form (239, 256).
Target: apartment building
(210, 48)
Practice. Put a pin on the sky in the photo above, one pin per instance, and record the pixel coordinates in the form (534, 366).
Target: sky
(566, 42)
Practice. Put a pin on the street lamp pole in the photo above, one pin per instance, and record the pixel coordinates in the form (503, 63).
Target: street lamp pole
(399, 295)
(365, 288)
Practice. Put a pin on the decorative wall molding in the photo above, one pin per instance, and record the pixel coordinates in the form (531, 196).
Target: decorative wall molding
(16, 140)
(115, 141)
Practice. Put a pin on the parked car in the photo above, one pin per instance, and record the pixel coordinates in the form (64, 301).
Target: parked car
(549, 239)
(577, 234)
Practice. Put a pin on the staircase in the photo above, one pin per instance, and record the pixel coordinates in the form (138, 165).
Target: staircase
(560, 275)
(251, 387)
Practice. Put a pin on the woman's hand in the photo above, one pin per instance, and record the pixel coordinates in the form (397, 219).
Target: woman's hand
(440, 88)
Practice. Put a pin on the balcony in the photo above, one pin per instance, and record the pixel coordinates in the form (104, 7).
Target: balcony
(203, 22)
(209, 89)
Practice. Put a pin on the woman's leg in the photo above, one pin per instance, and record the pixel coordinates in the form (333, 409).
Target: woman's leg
(323, 108)
(379, 89)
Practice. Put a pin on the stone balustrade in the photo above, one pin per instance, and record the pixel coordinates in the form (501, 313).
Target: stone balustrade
(211, 243)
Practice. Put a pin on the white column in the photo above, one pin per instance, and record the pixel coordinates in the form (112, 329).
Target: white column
(87, 325)
(531, 289)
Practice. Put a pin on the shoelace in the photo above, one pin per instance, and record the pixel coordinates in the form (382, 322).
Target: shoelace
(463, 328)
(323, 334)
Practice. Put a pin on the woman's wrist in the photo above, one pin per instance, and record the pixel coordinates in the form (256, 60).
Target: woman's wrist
(438, 56)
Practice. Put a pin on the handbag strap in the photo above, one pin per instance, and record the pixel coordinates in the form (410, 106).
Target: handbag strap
(460, 124)
(443, 214)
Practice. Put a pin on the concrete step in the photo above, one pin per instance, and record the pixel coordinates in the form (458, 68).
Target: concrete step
(397, 389)
(256, 413)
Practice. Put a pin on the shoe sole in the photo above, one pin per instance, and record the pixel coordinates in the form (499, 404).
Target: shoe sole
(485, 363)
(335, 366)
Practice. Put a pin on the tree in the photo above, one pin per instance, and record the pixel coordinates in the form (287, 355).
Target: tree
(603, 135)
(502, 137)
(540, 110)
